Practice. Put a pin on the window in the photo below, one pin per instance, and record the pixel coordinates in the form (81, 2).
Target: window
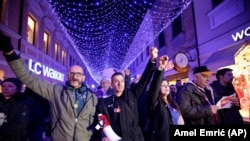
(63, 57)
(177, 26)
(161, 39)
(216, 3)
(2, 10)
(57, 50)
(46, 42)
(224, 11)
(31, 30)
(147, 51)
(141, 56)
(70, 60)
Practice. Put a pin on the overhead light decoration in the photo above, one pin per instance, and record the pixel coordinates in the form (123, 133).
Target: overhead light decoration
(112, 33)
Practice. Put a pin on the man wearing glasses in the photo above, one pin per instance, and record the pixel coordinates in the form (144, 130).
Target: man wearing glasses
(72, 105)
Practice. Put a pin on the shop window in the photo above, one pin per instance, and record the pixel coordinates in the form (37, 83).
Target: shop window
(161, 39)
(177, 26)
(57, 50)
(3, 10)
(31, 30)
(63, 57)
(241, 71)
(46, 42)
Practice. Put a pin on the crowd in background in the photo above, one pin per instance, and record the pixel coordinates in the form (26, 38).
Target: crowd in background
(142, 110)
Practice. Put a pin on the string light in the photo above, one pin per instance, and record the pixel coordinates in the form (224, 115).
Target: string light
(112, 33)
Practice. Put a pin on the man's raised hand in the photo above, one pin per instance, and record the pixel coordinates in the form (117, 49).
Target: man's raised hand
(153, 53)
(5, 43)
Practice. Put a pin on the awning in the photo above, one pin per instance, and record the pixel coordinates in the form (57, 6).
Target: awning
(226, 56)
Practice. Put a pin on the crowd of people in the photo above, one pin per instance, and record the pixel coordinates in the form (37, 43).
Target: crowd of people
(142, 110)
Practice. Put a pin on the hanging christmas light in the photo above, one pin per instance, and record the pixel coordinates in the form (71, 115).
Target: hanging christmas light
(112, 33)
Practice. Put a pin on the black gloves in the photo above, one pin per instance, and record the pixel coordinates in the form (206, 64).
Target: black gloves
(5, 43)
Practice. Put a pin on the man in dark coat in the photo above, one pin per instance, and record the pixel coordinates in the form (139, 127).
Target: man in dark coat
(14, 112)
(224, 87)
(196, 99)
(121, 108)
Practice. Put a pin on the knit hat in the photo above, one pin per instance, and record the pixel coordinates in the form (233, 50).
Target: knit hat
(16, 81)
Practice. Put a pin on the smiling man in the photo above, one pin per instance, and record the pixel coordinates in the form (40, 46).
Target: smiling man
(72, 105)
(76, 76)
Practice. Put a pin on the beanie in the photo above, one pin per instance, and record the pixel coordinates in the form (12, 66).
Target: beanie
(16, 81)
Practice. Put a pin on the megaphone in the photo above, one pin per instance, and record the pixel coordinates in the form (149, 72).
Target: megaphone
(107, 129)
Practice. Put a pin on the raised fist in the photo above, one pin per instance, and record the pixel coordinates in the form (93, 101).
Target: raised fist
(153, 53)
(163, 61)
(5, 43)
(127, 72)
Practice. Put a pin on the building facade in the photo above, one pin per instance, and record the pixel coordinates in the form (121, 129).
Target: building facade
(223, 36)
(215, 33)
(178, 37)
(38, 36)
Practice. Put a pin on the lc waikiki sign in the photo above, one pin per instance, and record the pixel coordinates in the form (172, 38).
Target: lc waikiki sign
(39, 69)
(241, 34)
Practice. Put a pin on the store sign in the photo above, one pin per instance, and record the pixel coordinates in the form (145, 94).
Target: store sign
(240, 35)
(41, 69)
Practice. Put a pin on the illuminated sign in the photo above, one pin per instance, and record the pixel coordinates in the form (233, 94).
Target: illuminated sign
(240, 35)
(39, 69)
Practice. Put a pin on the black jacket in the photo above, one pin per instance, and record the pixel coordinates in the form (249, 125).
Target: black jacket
(125, 123)
(230, 115)
(159, 115)
(17, 118)
(194, 107)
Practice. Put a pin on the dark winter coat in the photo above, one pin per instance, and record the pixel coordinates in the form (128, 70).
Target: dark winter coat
(125, 123)
(194, 107)
(159, 115)
(229, 115)
(17, 118)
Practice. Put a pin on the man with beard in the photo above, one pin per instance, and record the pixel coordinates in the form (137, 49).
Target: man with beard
(224, 87)
(72, 105)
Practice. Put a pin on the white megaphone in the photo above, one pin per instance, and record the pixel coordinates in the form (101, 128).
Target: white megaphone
(108, 131)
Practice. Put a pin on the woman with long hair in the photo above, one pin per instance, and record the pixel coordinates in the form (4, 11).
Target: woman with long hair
(163, 110)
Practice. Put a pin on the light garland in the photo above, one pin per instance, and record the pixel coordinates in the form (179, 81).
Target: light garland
(112, 33)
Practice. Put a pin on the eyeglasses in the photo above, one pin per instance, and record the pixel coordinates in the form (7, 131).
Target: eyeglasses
(77, 74)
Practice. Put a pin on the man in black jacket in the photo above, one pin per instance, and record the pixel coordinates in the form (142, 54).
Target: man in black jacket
(121, 108)
(224, 87)
(196, 99)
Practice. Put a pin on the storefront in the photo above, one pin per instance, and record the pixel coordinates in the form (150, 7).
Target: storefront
(236, 57)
